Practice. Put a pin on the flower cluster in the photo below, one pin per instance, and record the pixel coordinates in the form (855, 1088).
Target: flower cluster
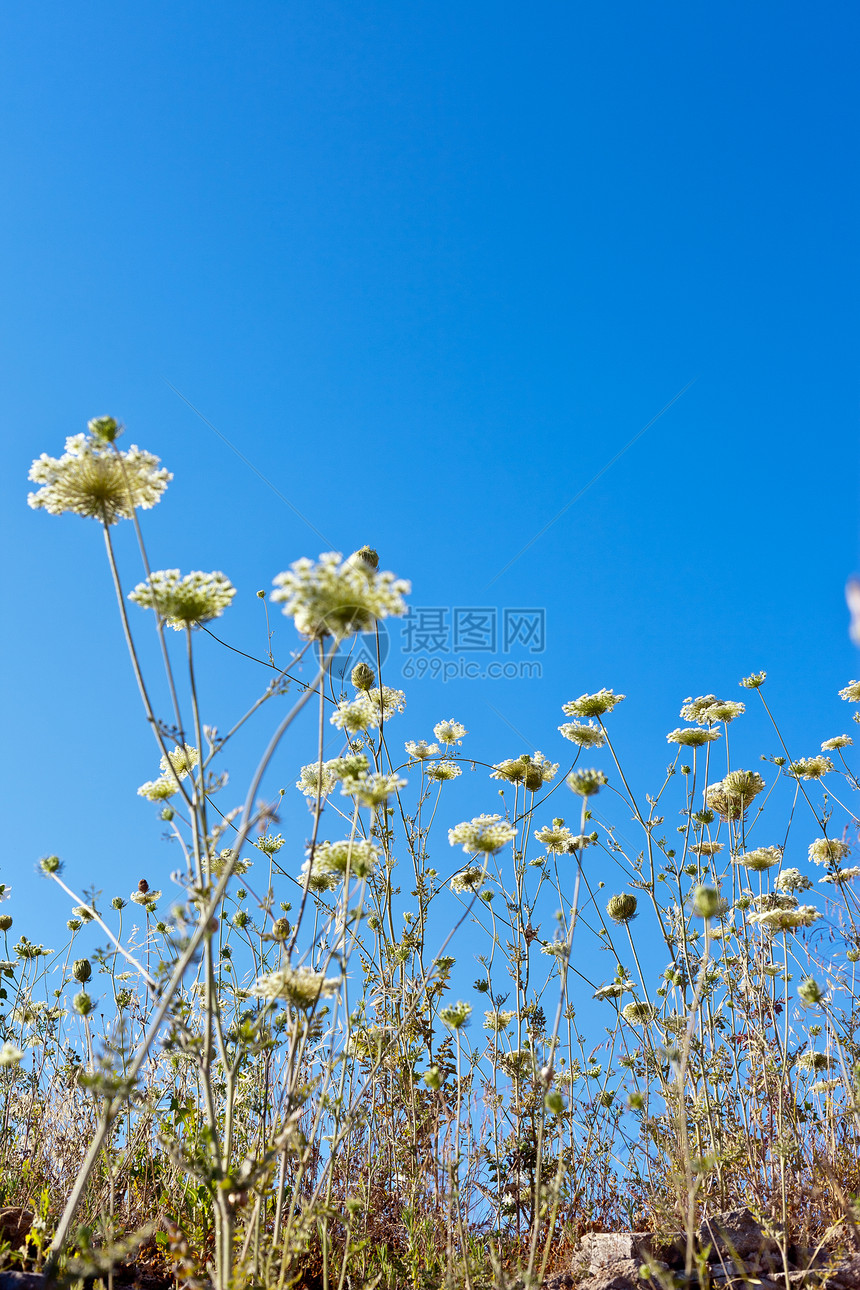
(372, 789)
(332, 860)
(785, 920)
(809, 767)
(533, 772)
(450, 731)
(708, 709)
(468, 881)
(487, 833)
(368, 709)
(583, 734)
(592, 705)
(182, 602)
(731, 796)
(421, 750)
(828, 850)
(759, 859)
(556, 837)
(301, 987)
(337, 597)
(586, 782)
(94, 479)
(692, 736)
(442, 770)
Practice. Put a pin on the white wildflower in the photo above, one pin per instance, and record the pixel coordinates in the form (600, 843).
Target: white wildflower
(336, 597)
(450, 731)
(197, 598)
(483, 833)
(94, 479)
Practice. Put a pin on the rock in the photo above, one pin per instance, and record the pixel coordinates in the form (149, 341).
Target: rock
(623, 1275)
(734, 1234)
(15, 1224)
(845, 1275)
(600, 1250)
(10, 1280)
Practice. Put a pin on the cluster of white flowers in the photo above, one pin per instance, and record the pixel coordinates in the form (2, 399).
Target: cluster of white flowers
(707, 848)
(839, 741)
(555, 837)
(301, 987)
(311, 781)
(337, 597)
(421, 750)
(785, 920)
(368, 709)
(94, 479)
(468, 881)
(483, 833)
(332, 860)
(809, 767)
(583, 734)
(828, 850)
(792, 880)
(585, 783)
(158, 790)
(10, 1054)
(455, 1015)
(372, 789)
(498, 1020)
(692, 736)
(731, 796)
(638, 1013)
(592, 705)
(443, 770)
(197, 598)
(838, 876)
(759, 859)
(708, 709)
(533, 772)
(851, 693)
(450, 731)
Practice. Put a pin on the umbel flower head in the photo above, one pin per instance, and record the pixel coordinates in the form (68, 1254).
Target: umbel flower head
(468, 881)
(95, 479)
(583, 734)
(533, 772)
(760, 859)
(731, 796)
(183, 602)
(337, 597)
(301, 987)
(450, 731)
(331, 860)
(592, 705)
(442, 770)
(828, 850)
(809, 767)
(556, 837)
(487, 833)
(692, 736)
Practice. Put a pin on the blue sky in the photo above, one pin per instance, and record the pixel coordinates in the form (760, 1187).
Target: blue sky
(429, 268)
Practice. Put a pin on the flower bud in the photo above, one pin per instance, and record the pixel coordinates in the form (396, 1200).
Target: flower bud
(851, 955)
(622, 908)
(281, 929)
(365, 557)
(82, 1004)
(105, 429)
(809, 992)
(5, 922)
(433, 1079)
(261, 595)
(707, 902)
(82, 970)
(363, 676)
(50, 864)
(586, 782)
(167, 814)
(554, 1102)
(118, 903)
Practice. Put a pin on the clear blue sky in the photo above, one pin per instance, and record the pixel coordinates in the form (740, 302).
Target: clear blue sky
(430, 267)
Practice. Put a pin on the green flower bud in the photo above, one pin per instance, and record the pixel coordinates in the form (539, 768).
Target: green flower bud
(708, 903)
(167, 814)
(105, 429)
(261, 595)
(74, 924)
(281, 929)
(51, 864)
(82, 1004)
(363, 676)
(5, 922)
(366, 556)
(118, 903)
(554, 1102)
(851, 955)
(82, 970)
(622, 908)
(636, 1101)
(809, 992)
(240, 919)
(433, 1079)
(123, 998)
(586, 782)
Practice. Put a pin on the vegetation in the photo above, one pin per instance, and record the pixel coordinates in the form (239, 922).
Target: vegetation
(274, 1075)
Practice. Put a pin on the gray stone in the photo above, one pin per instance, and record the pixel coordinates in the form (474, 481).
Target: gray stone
(734, 1233)
(623, 1275)
(600, 1250)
